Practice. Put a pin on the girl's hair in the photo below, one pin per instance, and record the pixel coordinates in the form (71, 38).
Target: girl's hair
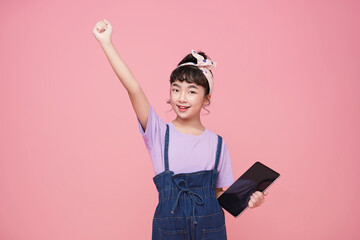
(191, 74)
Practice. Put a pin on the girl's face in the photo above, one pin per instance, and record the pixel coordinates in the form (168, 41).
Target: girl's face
(187, 99)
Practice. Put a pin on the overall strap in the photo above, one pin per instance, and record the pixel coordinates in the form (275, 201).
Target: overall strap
(218, 151)
(166, 154)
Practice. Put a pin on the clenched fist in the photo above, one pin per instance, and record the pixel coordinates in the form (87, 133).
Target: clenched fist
(102, 31)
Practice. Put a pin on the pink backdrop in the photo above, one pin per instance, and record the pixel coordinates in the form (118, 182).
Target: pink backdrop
(73, 164)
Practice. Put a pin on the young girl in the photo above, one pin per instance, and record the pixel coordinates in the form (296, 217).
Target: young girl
(191, 163)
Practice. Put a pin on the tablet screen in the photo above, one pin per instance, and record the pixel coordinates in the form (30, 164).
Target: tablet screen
(257, 178)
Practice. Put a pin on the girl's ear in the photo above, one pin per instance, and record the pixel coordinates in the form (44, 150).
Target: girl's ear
(207, 99)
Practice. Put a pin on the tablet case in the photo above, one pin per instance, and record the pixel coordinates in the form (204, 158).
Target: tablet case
(257, 178)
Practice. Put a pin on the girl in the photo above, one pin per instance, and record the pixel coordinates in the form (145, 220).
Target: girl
(191, 163)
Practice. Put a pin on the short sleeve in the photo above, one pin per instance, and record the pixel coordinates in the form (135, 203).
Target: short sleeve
(225, 177)
(152, 128)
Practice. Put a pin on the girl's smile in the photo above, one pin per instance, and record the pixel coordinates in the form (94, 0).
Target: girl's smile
(182, 109)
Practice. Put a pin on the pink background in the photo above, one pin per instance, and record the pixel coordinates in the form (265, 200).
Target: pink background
(73, 164)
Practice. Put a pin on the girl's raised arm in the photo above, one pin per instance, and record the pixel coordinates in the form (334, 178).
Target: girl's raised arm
(102, 32)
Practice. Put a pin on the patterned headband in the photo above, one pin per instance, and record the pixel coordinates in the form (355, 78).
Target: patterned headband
(204, 65)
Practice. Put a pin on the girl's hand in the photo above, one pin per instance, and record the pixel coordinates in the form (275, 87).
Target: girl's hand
(102, 31)
(256, 199)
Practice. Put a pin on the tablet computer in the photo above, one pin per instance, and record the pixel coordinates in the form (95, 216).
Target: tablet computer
(257, 178)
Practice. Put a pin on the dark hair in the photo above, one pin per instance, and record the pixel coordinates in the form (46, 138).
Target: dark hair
(191, 74)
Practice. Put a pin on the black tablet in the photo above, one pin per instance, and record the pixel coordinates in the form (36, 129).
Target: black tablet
(257, 178)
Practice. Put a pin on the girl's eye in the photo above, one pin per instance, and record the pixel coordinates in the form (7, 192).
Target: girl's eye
(174, 90)
(192, 92)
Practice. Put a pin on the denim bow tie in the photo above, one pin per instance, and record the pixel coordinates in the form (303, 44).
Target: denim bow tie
(186, 189)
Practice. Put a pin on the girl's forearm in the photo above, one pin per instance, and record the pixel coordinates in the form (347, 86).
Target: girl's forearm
(122, 71)
(218, 193)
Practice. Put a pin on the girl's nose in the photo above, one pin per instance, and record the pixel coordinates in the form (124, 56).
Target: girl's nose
(182, 97)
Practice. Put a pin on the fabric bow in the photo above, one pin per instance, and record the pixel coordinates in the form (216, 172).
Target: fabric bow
(185, 189)
(204, 65)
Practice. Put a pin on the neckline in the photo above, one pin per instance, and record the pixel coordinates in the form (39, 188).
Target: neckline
(188, 135)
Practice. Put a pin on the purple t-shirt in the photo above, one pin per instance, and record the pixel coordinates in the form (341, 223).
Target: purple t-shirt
(187, 153)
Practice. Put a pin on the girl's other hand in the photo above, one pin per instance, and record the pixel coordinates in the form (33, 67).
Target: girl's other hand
(102, 31)
(256, 199)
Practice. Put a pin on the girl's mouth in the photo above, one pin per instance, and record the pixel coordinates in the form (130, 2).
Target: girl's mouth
(182, 109)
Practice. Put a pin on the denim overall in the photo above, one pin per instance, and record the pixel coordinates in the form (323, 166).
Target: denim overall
(188, 207)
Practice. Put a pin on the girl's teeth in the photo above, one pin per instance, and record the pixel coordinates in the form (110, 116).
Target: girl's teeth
(183, 108)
